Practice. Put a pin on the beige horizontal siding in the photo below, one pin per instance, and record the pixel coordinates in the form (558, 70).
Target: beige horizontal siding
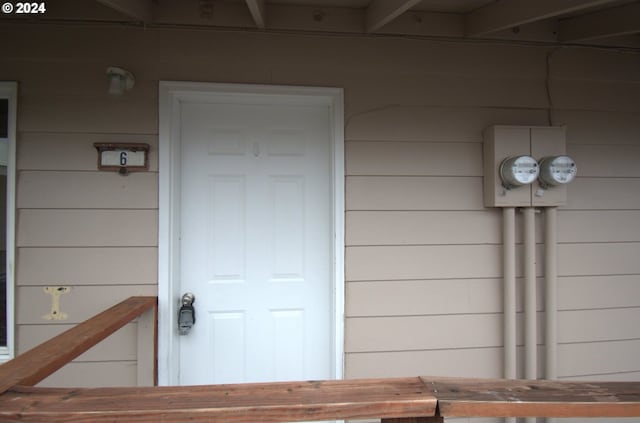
(66, 114)
(599, 226)
(94, 374)
(597, 65)
(433, 227)
(599, 127)
(414, 193)
(422, 262)
(603, 194)
(596, 95)
(468, 362)
(397, 298)
(433, 123)
(599, 259)
(599, 325)
(91, 266)
(431, 297)
(87, 190)
(121, 346)
(87, 228)
(599, 358)
(69, 151)
(606, 160)
(378, 334)
(609, 291)
(413, 158)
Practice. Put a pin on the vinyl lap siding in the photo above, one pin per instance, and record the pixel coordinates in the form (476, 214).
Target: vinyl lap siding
(423, 259)
(423, 256)
(93, 231)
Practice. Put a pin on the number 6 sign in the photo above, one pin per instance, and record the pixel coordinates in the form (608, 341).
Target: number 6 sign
(123, 157)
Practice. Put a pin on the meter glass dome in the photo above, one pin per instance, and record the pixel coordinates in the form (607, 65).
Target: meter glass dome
(557, 170)
(518, 171)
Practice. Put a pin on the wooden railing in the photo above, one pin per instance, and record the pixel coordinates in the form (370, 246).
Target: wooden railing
(36, 364)
(399, 400)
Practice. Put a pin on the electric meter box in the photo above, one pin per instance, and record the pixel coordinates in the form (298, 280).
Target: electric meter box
(503, 146)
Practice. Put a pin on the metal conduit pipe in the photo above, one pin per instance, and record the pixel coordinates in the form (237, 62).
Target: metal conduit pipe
(509, 295)
(530, 309)
(509, 290)
(551, 295)
(551, 292)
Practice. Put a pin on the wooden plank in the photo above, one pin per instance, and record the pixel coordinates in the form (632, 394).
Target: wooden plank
(38, 363)
(379, 13)
(265, 402)
(258, 12)
(526, 398)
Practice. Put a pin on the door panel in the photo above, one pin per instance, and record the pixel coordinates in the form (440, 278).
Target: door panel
(255, 243)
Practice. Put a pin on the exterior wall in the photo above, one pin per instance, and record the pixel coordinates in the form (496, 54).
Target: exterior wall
(423, 258)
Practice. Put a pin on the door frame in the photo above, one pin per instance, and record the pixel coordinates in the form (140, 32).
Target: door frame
(171, 94)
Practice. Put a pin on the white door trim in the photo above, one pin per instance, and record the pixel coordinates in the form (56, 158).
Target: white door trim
(171, 94)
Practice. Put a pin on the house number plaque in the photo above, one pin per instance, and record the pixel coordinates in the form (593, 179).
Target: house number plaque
(123, 157)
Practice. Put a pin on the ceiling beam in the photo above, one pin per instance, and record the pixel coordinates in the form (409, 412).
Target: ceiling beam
(258, 12)
(616, 21)
(381, 12)
(138, 9)
(505, 14)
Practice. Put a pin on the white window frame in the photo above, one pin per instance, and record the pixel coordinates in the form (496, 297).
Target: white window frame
(9, 91)
(170, 95)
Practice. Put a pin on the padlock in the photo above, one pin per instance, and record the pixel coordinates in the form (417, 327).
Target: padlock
(186, 314)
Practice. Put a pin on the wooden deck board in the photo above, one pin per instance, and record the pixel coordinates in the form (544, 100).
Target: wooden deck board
(267, 402)
(539, 398)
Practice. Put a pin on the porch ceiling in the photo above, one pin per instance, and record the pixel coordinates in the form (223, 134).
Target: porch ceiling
(601, 22)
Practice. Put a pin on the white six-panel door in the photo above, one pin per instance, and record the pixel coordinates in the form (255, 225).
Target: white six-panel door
(256, 242)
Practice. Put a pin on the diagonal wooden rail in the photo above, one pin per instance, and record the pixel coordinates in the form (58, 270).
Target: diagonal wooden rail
(399, 400)
(36, 364)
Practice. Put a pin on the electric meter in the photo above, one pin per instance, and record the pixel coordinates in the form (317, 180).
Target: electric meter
(557, 170)
(518, 171)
